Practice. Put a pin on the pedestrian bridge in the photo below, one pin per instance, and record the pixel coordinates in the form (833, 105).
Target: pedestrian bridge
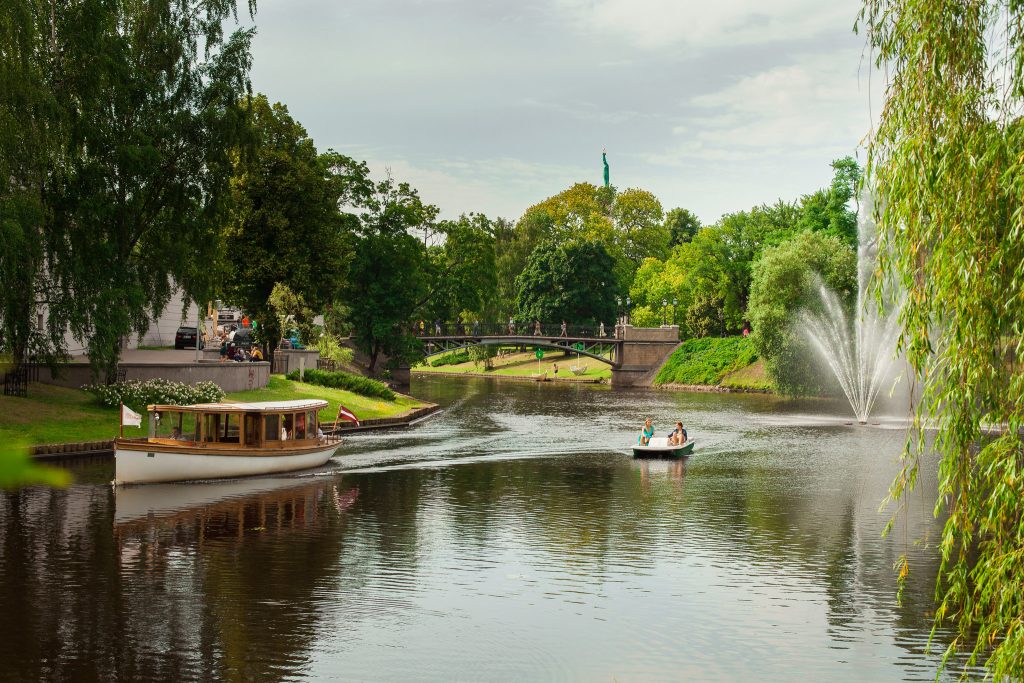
(632, 352)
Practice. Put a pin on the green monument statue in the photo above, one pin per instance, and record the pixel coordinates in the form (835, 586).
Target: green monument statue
(604, 159)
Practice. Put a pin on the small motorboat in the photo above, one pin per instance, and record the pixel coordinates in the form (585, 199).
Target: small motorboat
(659, 447)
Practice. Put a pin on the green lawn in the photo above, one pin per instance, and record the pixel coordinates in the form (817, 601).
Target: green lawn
(54, 414)
(526, 364)
(281, 389)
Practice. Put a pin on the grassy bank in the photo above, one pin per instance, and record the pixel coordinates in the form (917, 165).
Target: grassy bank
(54, 414)
(729, 362)
(526, 365)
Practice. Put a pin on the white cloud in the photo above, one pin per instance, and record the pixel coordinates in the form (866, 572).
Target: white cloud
(720, 23)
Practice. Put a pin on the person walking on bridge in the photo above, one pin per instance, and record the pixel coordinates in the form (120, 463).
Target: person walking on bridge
(437, 327)
(511, 326)
(536, 327)
(564, 330)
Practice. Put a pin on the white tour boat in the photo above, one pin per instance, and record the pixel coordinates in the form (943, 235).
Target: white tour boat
(217, 440)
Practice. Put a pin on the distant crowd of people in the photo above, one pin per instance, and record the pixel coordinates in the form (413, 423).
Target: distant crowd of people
(461, 328)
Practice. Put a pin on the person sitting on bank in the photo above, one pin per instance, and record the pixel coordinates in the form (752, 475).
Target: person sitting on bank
(647, 433)
(678, 435)
(257, 355)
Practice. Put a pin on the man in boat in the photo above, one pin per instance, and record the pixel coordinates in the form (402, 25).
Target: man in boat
(678, 435)
(647, 433)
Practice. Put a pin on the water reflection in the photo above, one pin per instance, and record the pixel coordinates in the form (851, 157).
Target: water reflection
(509, 538)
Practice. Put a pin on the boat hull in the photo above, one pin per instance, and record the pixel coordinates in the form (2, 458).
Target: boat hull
(149, 466)
(663, 451)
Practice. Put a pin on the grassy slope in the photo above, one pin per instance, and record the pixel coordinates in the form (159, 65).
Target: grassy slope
(54, 414)
(710, 361)
(281, 389)
(753, 376)
(525, 364)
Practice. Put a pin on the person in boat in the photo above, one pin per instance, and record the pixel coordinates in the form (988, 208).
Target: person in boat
(647, 433)
(678, 435)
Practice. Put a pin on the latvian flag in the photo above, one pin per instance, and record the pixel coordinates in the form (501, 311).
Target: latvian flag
(347, 415)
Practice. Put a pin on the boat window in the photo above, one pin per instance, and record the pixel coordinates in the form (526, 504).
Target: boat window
(272, 427)
(176, 425)
(289, 424)
(252, 429)
(311, 421)
(221, 428)
(300, 425)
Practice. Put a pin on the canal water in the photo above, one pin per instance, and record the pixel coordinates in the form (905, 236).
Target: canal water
(510, 538)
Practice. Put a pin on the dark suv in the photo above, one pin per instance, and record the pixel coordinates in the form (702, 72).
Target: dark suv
(186, 337)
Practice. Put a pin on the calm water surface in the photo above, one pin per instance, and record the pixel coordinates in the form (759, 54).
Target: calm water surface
(509, 538)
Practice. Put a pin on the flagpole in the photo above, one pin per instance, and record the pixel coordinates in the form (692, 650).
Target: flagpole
(120, 419)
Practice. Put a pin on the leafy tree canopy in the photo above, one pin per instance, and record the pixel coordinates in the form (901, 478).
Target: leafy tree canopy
(682, 225)
(572, 281)
(945, 164)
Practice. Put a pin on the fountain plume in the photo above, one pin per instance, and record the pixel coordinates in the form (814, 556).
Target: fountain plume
(859, 347)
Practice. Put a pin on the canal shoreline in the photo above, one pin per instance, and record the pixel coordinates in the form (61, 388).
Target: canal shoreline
(514, 378)
(90, 449)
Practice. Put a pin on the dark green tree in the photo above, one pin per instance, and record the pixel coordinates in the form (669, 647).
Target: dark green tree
(463, 270)
(390, 273)
(829, 210)
(285, 226)
(121, 171)
(682, 225)
(574, 282)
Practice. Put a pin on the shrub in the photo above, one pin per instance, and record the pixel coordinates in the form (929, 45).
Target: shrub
(707, 360)
(451, 358)
(138, 394)
(357, 384)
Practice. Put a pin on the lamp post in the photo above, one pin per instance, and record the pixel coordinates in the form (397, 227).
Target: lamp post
(675, 305)
(627, 311)
(618, 311)
(664, 312)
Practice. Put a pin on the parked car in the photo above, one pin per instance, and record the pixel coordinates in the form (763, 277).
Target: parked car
(186, 337)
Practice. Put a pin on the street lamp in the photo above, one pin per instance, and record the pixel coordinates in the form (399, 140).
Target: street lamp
(664, 312)
(675, 304)
(627, 310)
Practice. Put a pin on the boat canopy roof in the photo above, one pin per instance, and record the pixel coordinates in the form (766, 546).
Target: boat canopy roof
(256, 407)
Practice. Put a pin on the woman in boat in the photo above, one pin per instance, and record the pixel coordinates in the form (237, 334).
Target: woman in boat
(646, 433)
(678, 435)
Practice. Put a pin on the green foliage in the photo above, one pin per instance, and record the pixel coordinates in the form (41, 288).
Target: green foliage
(285, 233)
(573, 281)
(357, 384)
(828, 211)
(116, 133)
(390, 273)
(707, 360)
(17, 469)
(682, 225)
(139, 394)
(329, 348)
(785, 281)
(947, 163)
(483, 355)
(463, 269)
(450, 358)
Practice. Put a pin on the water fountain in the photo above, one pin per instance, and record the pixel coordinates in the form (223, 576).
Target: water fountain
(859, 348)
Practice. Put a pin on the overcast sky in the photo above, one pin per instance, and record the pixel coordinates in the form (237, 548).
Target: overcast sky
(493, 106)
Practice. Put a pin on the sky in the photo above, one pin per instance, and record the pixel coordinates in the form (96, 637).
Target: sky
(491, 107)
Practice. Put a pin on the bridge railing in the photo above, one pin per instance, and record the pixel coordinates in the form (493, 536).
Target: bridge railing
(516, 328)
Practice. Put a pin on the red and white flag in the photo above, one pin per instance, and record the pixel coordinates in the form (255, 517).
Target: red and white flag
(347, 415)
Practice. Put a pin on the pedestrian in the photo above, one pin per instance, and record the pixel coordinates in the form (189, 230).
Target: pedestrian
(223, 350)
(536, 327)
(564, 329)
(423, 327)
(600, 331)
(555, 367)
(476, 328)
(511, 326)
(437, 327)
(257, 355)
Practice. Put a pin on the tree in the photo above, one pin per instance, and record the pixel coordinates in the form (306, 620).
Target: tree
(574, 281)
(828, 211)
(390, 273)
(463, 269)
(122, 173)
(945, 164)
(784, 282)
(682, 225)
(285, 230)
(639, 230)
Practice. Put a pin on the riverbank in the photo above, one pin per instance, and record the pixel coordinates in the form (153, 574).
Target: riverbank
(715, 364)
(64, 420)
(525, 366)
